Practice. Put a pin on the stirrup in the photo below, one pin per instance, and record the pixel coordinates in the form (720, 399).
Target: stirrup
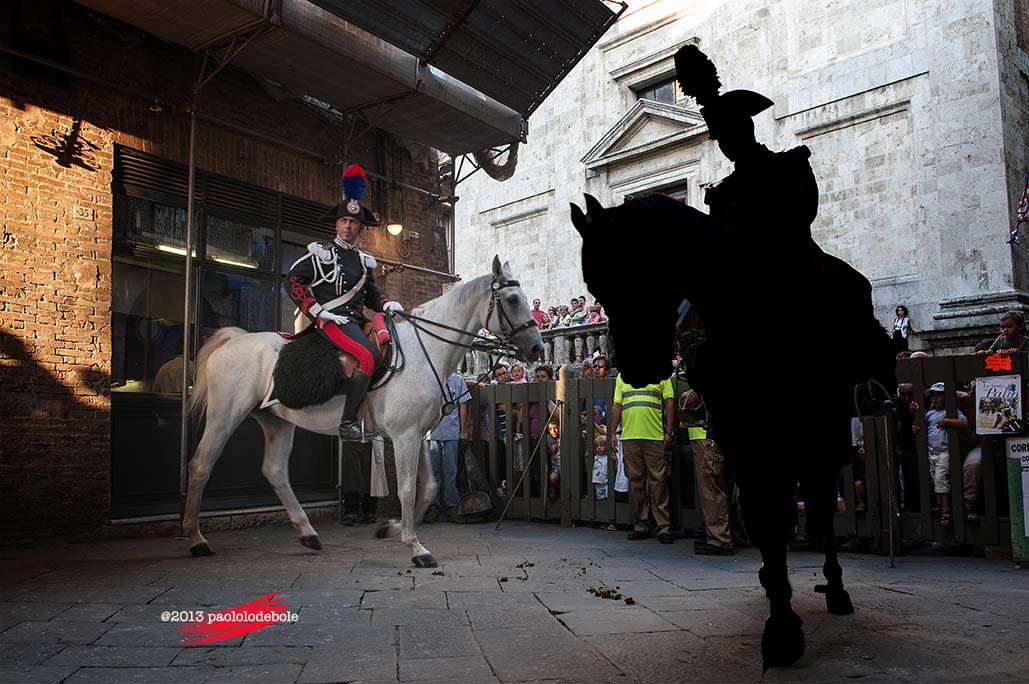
(352, 431)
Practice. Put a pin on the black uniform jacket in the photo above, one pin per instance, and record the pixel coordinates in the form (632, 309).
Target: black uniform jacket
(329, 271)
(773, 196)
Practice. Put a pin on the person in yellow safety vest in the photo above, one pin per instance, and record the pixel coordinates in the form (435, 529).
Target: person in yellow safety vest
(646, 440)
(709, 465)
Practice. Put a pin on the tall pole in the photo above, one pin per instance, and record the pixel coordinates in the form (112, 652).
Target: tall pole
(187, 313)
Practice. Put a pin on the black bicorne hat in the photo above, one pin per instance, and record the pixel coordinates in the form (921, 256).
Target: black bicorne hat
(698, 78)
(353, 183)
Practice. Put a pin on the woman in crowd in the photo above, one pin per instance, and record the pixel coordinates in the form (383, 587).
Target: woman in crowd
(545, 322)
(564, 318)
(902, 328)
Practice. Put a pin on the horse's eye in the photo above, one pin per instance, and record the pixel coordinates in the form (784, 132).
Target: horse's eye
(513, 299)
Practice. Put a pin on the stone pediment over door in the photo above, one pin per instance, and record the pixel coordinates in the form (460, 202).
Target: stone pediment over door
(646, 128)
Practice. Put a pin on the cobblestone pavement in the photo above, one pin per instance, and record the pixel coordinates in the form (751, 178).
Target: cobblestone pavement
(508, 606)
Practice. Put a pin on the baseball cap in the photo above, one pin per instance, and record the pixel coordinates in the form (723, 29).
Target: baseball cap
(937, 387)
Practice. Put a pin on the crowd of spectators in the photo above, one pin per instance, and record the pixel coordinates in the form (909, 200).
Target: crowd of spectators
(643, 473)
(576, 312)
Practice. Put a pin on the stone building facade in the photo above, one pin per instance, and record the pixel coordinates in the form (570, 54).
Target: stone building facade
(118, 94)
(916, 113)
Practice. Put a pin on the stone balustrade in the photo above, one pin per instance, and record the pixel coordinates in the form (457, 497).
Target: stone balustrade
(561, 345)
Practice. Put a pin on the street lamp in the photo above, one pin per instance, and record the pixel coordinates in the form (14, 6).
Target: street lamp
(394, 229)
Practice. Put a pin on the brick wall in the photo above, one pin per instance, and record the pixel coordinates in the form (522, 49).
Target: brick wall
(57, 136)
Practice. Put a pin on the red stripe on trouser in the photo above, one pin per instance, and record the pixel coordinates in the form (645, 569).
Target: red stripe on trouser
(365, 362)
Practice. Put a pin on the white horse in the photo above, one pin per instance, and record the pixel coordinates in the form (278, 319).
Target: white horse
(234, 369)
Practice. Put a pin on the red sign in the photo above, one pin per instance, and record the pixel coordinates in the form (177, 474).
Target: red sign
(997, 362)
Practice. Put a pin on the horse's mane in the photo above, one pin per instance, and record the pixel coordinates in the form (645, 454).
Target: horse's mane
(455, 296)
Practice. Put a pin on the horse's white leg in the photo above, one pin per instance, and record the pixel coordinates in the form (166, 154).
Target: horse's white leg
(219, 427)
(278, 443)
(407, 453)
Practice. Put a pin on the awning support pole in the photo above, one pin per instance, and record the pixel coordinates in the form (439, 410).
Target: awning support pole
(187, 314)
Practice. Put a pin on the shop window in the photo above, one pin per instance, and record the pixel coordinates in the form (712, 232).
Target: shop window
(231, 299)
(146, 328)
(139, 221)
(234, 243)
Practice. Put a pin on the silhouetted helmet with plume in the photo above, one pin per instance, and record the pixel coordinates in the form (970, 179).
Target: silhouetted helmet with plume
(353, 184)
(698, 79)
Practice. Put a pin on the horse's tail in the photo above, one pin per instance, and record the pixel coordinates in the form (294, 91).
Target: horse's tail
(198, 400)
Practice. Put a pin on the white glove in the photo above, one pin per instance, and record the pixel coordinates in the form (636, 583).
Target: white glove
(330, 317)
(392, 307)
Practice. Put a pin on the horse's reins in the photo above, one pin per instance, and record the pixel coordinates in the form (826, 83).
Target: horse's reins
(501, 344)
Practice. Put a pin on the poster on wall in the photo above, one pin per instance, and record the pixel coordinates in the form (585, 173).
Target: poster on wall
(998, 404)
(1018, 493)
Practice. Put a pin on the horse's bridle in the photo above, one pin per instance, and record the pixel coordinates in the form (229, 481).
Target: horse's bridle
(501, 344)
(495, 304)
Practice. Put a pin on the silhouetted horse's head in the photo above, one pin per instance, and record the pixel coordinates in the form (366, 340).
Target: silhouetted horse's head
(627, 266)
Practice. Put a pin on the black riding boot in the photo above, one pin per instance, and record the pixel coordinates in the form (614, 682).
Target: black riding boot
(349, 428)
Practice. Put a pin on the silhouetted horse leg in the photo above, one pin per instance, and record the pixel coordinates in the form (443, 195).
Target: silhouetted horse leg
(770, 513)
(821, 508)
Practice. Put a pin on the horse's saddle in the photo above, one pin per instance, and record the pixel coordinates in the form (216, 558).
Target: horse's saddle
(308, 371)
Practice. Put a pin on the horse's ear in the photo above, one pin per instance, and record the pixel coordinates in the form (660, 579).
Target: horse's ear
(507, 270)
(579, 219)
(594, 209)
(498, 270)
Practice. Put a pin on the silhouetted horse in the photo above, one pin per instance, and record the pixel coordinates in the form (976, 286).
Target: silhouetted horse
(790, 332)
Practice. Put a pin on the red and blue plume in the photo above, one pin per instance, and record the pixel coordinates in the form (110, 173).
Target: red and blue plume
(354, 182)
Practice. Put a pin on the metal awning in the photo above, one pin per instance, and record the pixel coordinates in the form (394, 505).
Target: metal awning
(308, 51)
(515, 51)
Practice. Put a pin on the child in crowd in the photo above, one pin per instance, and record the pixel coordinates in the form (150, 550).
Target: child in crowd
(554, 452)
(600, 467)
(1012, 338)
(518, 374)
(937, 423)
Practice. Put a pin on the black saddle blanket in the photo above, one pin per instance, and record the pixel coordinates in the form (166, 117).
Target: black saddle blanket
(308, 372)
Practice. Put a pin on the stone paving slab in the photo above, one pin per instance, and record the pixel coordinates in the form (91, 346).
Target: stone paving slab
(91, 612)
(19, 611)
(140, 675)
(416, 642)
(25, 655)
(585, 623)
(246, 655)
(115, 656)
(474, 668)
(486, 617)
(36, 675)
(274, 673)
(53, 632)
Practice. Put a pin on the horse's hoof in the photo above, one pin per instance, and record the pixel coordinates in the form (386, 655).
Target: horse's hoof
(202, 549)
(837, 602)
(424, 561)
(312, 541)
(782, 643)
